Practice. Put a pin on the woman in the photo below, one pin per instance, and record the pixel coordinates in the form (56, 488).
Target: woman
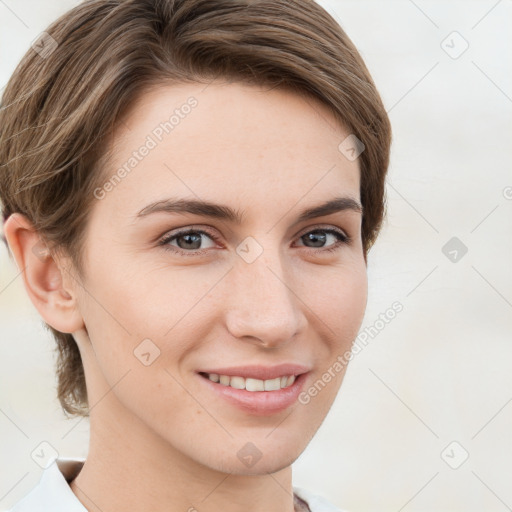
(191, 188)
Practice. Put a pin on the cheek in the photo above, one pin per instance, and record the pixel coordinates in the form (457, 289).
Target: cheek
(133, 357)
(338, 297)
(348, 300)
(141, 320)
(135, 300)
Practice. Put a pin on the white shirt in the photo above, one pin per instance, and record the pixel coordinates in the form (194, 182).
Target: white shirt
(53, 493)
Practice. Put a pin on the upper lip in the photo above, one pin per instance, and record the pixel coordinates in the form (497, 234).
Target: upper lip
(260, 372)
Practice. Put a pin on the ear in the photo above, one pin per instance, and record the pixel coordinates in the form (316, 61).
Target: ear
(51, 290)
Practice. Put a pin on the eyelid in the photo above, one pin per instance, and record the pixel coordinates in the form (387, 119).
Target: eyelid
(200, 227)
(322, 227)
(203, 229)
(167, 236)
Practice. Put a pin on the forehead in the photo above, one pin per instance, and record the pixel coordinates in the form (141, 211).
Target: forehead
(228, 142)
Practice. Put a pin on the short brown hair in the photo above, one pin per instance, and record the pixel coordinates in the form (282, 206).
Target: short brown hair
(68, 94)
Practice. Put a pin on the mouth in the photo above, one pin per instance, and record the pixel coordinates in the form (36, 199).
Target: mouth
(256, 396)
(251, 384)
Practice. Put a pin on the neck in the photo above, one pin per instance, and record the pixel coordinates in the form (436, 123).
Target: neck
(131, 467)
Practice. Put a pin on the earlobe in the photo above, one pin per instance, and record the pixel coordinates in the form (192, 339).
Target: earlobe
(44, 279)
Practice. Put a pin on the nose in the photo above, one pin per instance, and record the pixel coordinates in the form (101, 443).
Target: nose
(261, 302)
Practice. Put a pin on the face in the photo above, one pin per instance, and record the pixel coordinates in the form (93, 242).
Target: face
(168, 293)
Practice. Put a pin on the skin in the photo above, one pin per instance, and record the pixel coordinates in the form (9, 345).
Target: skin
(158, 438)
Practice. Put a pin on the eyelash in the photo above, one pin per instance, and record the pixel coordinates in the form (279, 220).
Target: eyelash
(343, 239)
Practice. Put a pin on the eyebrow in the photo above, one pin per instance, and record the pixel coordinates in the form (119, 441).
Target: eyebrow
(223, 212)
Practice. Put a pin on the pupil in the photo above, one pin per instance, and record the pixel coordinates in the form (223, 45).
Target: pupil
(189, 239)
(315, 238)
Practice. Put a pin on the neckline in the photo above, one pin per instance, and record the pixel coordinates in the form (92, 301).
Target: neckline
(70, 468)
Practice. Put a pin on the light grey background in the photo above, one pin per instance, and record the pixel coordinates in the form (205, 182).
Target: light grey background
(440, 371)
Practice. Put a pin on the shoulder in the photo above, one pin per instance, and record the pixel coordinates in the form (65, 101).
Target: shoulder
(316, 502)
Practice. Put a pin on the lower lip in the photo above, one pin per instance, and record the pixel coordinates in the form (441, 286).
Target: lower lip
(260, 403)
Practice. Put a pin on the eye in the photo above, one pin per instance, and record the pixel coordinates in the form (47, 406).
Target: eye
(319, 237)
(188, 242)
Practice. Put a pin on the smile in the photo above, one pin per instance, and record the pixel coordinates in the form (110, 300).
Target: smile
(249, 384)
(247, 395)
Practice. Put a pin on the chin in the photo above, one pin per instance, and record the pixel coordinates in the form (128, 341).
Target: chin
(258, 458)
(262, 466)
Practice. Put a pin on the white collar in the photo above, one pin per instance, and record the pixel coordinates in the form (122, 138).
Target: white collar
(54, 493)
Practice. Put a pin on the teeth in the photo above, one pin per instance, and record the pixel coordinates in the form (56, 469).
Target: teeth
(237, 382)
(272, 384)
(253, 384)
